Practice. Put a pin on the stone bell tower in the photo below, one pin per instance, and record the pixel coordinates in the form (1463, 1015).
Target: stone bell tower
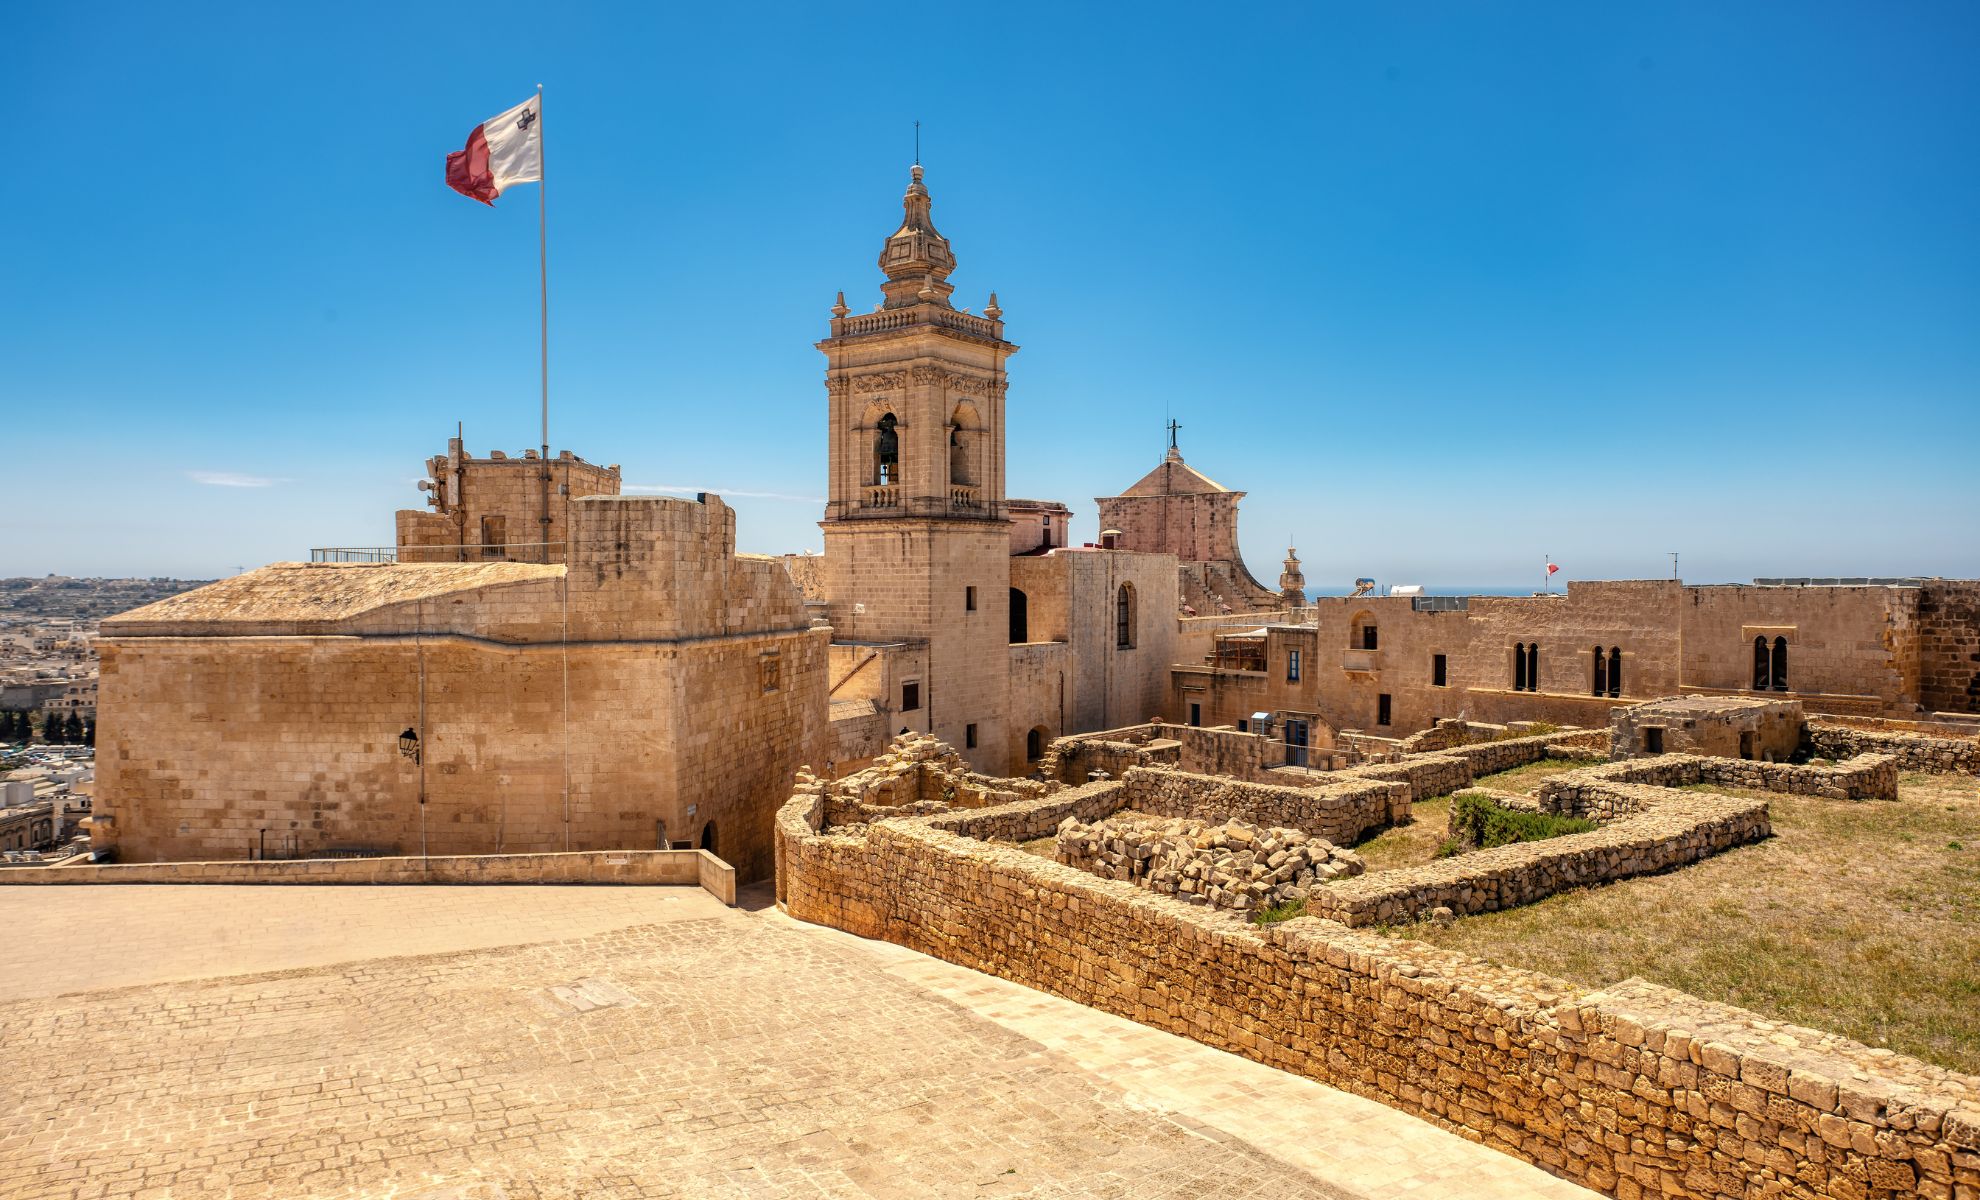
(917, 540)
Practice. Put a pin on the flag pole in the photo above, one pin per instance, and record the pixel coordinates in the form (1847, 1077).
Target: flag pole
(543, 299)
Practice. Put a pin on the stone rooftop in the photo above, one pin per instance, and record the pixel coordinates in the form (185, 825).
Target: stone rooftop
(308, 593)
(486, 1043)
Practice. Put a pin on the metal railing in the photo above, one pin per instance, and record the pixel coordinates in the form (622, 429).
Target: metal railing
(478, 552)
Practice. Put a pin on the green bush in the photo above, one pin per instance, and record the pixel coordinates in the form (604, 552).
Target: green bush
(1280, 912)
(1480, 821)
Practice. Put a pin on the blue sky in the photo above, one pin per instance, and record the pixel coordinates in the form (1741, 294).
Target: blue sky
(1443, 287)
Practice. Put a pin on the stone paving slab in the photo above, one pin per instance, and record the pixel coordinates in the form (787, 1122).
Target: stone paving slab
(653, 1044)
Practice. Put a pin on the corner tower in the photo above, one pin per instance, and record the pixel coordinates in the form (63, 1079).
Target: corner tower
(917, 539)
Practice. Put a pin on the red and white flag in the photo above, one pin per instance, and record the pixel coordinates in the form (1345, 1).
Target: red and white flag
(503, 150)
(1551, 568)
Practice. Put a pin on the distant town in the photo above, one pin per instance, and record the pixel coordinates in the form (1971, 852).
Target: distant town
(48, 670)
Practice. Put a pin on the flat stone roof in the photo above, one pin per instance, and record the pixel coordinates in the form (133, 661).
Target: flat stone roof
(638, 1043)
(320, 592)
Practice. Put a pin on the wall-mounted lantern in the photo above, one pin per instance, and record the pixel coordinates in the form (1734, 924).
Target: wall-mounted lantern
(409, 745)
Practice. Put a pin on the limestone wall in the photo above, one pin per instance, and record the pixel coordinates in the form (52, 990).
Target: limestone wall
(1949, 646)
(1340, 813)
(689, 690)
(1913, 751)
(1864, 650)
(1661, 829)
(492, 509)
(619, 867)
(1629, 1090)
(1579, 793)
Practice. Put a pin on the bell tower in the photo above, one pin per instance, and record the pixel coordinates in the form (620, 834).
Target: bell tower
(917, 538)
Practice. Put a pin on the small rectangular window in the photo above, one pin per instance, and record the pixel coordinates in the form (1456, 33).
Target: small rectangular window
(1196, 715)
(1382, 709)
(969, 737)
(1292, 666)
(1244, 726)
(910, 696)
(969, 599)
(1653, 740)
(1368, 637)
(1439, 667)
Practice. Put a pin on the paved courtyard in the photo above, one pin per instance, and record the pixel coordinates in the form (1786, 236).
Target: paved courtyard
(507, 1043)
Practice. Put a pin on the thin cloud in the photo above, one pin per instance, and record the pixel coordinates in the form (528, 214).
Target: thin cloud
(231, 479)
(666, 489)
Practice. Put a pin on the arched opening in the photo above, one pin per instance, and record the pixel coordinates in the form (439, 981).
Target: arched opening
(1761, 671)
(1124, 617)
(1519, 667)
(1601, 671)
(1780, 664)
(1362, 634)
(1615, 670)
(964, 440)
(1020, 618)
(1533, 667)
(708, 837)
(887, 451)
(1034, 743)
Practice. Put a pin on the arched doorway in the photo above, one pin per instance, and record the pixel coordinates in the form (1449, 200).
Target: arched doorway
(708, 837)
(1035, 743)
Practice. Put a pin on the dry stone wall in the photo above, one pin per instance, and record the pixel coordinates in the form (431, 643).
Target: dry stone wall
(1581, 793)
(1663, 829)
(1913, 751)
(1341, 813)
(1633, 1090)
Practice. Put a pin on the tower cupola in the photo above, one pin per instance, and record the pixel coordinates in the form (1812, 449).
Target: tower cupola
(916, 259)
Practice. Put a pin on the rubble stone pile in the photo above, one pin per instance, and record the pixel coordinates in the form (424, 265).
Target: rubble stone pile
(1233, 865)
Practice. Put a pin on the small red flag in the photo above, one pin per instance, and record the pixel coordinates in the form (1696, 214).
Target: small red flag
(1551, 568)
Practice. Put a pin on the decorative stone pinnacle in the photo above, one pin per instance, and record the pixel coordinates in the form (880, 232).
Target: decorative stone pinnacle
(839, 308)
(991, 310)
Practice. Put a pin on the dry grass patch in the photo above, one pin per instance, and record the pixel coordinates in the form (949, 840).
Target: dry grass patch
(1409, 845)
(1526, 780)
(1861, 917)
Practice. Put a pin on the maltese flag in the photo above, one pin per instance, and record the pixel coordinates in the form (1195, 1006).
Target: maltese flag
(503, 150)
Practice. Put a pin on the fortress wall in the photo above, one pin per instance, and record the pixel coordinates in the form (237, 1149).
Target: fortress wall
(691, 689)
(1630, 1090)
(1844, 643)
(1949, 646)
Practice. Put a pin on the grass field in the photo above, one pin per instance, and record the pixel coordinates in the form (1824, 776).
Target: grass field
(1527, 779)
(1861, 917)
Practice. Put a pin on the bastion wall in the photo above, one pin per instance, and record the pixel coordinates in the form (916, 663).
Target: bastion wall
(1631, 1090)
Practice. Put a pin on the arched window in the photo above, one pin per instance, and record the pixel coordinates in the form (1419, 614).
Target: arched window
(1601, 671)
(964, 440)
(1362, 634)
(1519, 667)
(1615, 669)
(1780, 664)
(887, 451)
(1761, 673)
(1124, 617)
(1020, 618)
(1533, 667)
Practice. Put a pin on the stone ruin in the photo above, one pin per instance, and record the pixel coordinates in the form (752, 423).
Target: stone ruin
(1234, 865)
(916, 775)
